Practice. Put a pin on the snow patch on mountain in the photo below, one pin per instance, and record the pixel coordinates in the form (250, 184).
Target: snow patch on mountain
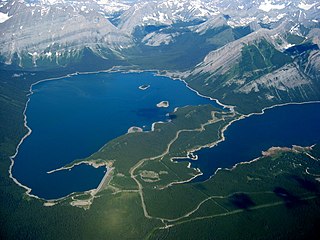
(4, 17)
(111, 6)
(51, 2)
(267, 6)
(158, 17)
(306, 6)
(165, 12)
(267, 19)
(241, 22)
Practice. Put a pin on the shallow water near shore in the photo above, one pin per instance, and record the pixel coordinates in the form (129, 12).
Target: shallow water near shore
(73, 117)
(284, 126)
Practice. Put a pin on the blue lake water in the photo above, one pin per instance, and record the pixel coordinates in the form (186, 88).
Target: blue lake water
(245, 139)
(71, 118)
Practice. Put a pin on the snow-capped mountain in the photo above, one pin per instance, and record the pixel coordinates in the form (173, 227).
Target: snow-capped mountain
(165, 12)
(54, 30)
(265, 66)
(108, 7)
(48, 28)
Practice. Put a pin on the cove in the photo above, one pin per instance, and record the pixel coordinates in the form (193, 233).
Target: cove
(245, 139)
(73, 117)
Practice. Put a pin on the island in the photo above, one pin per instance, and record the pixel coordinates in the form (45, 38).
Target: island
(144, 87)
(163, 104)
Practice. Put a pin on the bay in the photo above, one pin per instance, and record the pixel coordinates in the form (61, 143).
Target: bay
(297, 124)
(73, 117)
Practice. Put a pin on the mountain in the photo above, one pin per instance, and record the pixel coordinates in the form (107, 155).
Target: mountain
(261, 69)
(247, 54)
(51, 33)
(55, 31)
(165, 12)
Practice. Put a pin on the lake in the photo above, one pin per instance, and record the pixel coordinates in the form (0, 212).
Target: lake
(247, 138)
(73, 117)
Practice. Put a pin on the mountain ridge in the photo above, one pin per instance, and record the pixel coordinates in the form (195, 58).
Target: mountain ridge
(41, 32)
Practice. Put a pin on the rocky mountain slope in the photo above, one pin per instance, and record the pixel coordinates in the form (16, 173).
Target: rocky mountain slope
(36, 33)
(55, 32)
(261, 69)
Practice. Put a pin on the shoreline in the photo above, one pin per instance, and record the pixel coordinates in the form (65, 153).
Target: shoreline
(29, 130)
(263, 155)
(85, 162)
(134, 129)
(230, 107)
(117, 69)
(102, 182)
(223, 138)
(163, 104)
(144, 87)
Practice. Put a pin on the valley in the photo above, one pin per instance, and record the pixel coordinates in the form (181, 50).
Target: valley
(159, 119)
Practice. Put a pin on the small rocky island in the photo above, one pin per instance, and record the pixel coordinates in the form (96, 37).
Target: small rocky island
(163, 104)
(144, 87)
